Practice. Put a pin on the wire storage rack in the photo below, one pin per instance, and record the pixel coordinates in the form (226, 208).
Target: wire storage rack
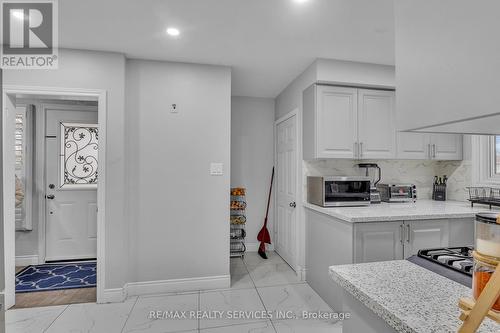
(237, 222)
(484, 195)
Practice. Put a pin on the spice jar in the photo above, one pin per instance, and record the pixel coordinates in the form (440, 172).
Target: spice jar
(484, 267)
(488, 234)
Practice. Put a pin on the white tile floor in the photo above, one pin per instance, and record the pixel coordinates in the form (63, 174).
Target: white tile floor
(256, 285)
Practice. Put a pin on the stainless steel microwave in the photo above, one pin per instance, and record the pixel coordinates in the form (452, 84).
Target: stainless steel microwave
(334, 191)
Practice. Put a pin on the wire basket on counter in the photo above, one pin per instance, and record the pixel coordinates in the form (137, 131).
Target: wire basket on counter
(484, 195)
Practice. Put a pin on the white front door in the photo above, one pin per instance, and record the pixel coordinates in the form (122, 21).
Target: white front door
(71, 139)
(285, 239)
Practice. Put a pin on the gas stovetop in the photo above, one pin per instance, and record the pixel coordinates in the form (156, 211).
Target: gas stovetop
(456, 258)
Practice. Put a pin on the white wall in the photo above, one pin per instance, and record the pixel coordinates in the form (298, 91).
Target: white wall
(252, 150)
(178, 212)
(97, 70)
(291, 97)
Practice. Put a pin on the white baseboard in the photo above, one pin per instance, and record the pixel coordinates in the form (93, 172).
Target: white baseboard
(301, 272)
(254, 247)
(177, 285)
(26, 260)
(114, 295)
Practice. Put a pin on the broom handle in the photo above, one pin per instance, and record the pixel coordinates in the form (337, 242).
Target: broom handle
(269, 197)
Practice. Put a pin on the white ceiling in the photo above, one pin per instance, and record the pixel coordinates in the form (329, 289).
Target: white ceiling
(266, 42)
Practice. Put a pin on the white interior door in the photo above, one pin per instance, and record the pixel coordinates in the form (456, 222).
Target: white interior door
(285, 239)
(71, 145)
(8, 166)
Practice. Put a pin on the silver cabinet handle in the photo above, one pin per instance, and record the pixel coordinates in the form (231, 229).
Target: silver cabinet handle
(408, 234)
(401, 233)
(355, 150)
(50, 196)
(361, 149)
(429, 152)
(434, 150)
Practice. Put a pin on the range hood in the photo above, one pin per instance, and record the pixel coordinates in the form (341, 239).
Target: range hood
(448, 66)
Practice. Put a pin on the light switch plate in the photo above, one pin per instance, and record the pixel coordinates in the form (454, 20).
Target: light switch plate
(216, 169)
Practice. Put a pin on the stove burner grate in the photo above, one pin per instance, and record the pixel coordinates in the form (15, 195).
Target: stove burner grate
(456, 258)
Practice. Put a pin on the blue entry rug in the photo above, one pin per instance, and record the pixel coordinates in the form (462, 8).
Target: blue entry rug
(56, 277)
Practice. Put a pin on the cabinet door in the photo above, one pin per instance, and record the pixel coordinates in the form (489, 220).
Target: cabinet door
(413, 146)
(378, 241)
(425, 234)
(447, 146)
(336, 122)
(376, 122)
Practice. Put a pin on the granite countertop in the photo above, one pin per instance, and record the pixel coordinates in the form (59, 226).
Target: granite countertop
(420, 210)
(408, 297)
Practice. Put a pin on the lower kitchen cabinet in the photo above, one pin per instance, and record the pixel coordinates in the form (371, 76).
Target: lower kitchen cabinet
(425, 235)
(380, 241)
(332, 241)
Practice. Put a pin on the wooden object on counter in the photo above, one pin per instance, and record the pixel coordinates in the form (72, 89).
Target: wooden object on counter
(474, 312)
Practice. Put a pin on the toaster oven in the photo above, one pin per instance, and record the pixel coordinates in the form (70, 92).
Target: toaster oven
(397, 192)
(334, 191)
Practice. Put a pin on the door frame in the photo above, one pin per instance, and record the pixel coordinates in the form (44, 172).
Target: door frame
(101, 96)
(299, 235)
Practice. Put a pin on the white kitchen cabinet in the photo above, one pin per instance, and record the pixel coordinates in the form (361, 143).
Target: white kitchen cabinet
(341, 122)
(378, 241)
(425, 235)
(447, 146)
(333, 241)
(376, 124)
(424, 146)
(413, 146)
(335, 127)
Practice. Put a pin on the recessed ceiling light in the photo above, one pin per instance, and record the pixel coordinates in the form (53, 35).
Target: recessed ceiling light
(300, 1)
(173, 32)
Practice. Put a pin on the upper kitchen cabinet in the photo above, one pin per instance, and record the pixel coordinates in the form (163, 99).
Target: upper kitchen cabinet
(330, 122)
(424, 146)
(447, 66)
(340, 122)
(376, 124)
(413, 146)
(447, 146)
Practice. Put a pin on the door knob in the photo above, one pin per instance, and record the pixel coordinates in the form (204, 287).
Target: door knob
(292, 204)
(50, 196)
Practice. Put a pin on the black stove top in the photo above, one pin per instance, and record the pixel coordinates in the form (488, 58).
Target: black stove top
(456, 258)
(454, 263)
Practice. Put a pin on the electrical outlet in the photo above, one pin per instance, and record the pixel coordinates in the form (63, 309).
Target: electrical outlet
(174, 109)
(216, 169)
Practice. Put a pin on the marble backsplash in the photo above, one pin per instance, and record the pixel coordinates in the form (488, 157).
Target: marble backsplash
(418, 172)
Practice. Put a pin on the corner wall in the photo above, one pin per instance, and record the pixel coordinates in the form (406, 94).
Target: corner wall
(179, 213)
